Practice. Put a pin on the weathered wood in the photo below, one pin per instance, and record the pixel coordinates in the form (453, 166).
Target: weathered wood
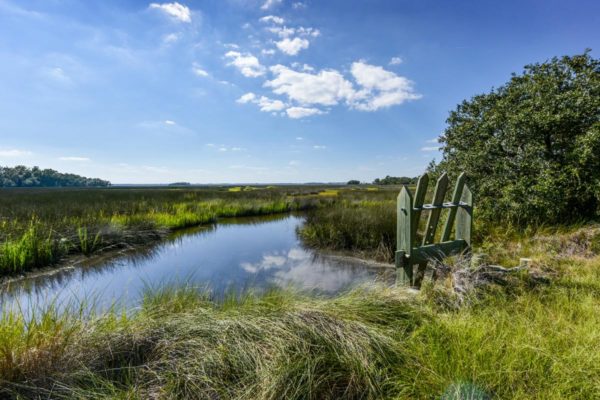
(458, 189)
(404, 236)
(404, 273)
(434, 216)
(464, 217)
(438, 251)
(410, 254)
(420, 193)
(432, 222)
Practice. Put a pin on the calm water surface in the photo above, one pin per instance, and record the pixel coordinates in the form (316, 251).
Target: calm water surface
(232, 256)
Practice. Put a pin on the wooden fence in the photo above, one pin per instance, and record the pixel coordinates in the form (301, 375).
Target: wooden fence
(459, 219)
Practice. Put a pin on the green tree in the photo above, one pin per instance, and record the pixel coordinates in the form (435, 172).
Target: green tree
(531, 148)
(353, 182)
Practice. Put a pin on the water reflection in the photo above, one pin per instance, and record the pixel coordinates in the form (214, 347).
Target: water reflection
(234, 255)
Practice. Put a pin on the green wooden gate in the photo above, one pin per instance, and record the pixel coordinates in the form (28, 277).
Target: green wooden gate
(459, 218)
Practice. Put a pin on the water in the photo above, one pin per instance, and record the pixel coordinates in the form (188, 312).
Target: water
(235, 255)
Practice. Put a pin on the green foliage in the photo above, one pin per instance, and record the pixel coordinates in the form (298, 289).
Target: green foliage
(21, 176)
(353, 182)
(531, 148)
(395, 180)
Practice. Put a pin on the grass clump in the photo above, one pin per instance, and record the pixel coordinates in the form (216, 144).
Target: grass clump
(367, 229)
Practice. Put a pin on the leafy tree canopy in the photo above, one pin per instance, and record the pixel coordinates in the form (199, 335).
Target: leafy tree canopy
(531, 148)
(21, 176)
(353, 182)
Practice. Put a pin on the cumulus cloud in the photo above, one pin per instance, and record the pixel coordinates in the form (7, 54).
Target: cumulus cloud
(270, 4)
(380, 88)
(170, 122)
(272, 18)
(327, 87)
(396, 61)
(247, 98)
(293, 46)
(174, 10)
(430, 148)
(198, 71)
(319, 147)
(268, 52)
(264, 103)
(369, 88)
(302, 112)
(246, 63)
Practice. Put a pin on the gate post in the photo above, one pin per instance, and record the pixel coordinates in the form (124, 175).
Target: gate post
(404, 237)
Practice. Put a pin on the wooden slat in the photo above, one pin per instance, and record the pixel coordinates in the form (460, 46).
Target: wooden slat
(438, 251)
(422, 184)
(458, 189)
(464, 217)
(434, 216)
(404, 236)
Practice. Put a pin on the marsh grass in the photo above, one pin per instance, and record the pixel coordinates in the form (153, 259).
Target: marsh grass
(39, 226)
(528, 341)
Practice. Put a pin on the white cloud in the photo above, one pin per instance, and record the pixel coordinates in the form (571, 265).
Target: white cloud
(266, 104)
(170, 122)
(298, 5)
(74, 158)
(14, 153)
(246, 98)
(231, 46)
(319, 147)
(396, 61)
(246, 63)
(174, 10)
(302, 112)
(272, 18)
(282, 31)
(171, 38)
(270, 4)
(292, 46)
(327, 87)
(269, 105)
(380, 88)
(299, 138)
(268, 52)
(430, 148)
(198, 71)
(434, 140)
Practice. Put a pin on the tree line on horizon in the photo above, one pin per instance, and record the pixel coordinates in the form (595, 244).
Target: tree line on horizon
(22, 176)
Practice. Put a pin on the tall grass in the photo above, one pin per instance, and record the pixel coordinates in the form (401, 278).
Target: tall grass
(365, 228)
(39, 226)
(529, 341)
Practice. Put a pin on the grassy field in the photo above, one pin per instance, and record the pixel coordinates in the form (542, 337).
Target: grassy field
(38, 227)
(535, 336)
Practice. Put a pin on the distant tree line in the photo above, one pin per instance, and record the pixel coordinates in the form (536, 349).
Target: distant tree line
(395, 180)
(22, 176)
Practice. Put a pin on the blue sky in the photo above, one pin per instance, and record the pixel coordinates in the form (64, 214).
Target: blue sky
(212, 91)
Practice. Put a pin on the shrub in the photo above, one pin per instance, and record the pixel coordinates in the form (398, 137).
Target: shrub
(531, 147)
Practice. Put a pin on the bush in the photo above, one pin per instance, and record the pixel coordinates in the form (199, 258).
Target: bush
(531, 148)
